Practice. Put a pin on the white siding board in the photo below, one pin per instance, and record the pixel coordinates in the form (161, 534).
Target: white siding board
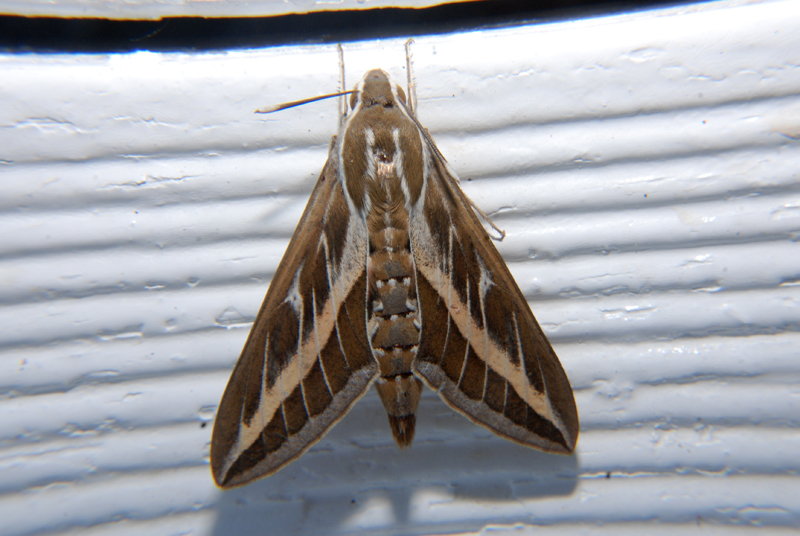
(644, 167)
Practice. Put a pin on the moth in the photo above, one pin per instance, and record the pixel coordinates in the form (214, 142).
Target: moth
(389, 279)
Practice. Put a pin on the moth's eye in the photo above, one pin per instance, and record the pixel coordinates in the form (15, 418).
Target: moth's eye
(353, 100)
(401, 94)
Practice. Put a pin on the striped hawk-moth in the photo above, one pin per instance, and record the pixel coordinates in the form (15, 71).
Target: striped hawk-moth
(390, 278)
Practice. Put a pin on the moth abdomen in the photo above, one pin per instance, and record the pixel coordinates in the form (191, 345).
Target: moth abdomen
(403, 429)
(400, 396)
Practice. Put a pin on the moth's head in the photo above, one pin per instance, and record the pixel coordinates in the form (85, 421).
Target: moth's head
(377, 89)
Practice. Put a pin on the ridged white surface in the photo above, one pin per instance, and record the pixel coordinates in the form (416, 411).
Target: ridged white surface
(644, 166)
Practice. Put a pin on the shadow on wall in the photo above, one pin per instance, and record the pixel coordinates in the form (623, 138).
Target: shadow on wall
(356, 479)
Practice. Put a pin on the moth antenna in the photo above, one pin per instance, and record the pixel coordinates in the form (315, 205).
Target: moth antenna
(285, 105)
(342, 86)
(412, 86)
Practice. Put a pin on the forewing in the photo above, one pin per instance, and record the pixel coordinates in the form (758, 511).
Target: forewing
(307, 358)
(480, 345)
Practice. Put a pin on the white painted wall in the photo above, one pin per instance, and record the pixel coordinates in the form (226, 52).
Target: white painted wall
(644, 166)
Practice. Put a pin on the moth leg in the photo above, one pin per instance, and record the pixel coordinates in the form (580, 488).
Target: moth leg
(488, 220)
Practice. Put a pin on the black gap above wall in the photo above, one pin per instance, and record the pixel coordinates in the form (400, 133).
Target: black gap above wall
(48, 34)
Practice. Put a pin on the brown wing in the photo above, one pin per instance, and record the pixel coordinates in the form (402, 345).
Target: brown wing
(481, 348)
(307, 358)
